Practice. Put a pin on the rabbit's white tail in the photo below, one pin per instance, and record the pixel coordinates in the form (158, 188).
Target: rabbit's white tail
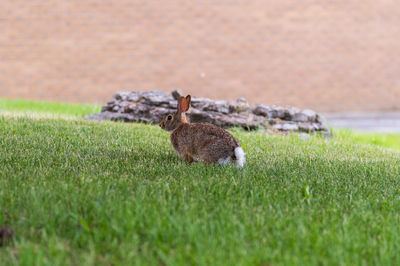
(240, 156)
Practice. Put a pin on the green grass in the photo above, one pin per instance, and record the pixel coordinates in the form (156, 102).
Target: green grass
(386, 140)
(78, 192)
(86, 193)
(46, 107)
(61, 109)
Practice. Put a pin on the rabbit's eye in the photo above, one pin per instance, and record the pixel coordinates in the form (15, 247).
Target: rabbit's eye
(169, 117)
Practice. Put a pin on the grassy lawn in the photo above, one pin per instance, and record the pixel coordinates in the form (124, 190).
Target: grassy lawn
(87, 193)
(45, 107)
(386, 140)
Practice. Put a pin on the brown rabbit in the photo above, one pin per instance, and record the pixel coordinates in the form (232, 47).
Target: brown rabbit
(194, 141)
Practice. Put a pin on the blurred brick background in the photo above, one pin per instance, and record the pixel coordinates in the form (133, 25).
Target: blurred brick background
(329, 55)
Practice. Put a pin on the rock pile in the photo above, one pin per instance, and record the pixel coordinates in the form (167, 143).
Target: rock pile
(152, 106)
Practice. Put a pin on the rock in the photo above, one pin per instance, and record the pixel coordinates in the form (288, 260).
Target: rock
(131, 107)
(173, 104)
(286, 127)
(304, 136)
(116, 97)
(124, 95)
(306, 127)
(106, 108)
(176, 94)
(289, 113)
(290, 127)
(133, 97)
(312, 116)
(233, 107)
(217, 106)
(152, 106)
(222, 120)
(115, 108)
(200, 103)
(156, 97)
(241, 100)
(305, 116)
(300, 117)
(276, 112)
(263, 110)
(316, 126)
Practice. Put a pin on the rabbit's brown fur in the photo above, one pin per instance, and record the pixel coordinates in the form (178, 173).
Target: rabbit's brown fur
(204, 141)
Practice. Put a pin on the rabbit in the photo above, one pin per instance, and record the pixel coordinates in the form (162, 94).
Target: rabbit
(201, 141)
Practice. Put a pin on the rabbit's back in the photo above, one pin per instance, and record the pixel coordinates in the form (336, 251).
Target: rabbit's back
(204, 141)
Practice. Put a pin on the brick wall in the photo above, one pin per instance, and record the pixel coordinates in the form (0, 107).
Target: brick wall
(326, 55)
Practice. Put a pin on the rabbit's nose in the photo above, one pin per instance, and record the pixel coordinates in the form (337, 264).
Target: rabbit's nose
(161, 124)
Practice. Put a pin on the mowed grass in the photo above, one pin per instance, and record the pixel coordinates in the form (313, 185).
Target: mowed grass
(387, 140)
(33, 108)
(89, 193)
(21, 106)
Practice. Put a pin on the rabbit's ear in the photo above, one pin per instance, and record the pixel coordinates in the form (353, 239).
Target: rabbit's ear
(187, 102)
(181, 104)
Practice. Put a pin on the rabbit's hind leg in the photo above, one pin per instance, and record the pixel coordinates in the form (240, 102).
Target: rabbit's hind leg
(188, 158)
